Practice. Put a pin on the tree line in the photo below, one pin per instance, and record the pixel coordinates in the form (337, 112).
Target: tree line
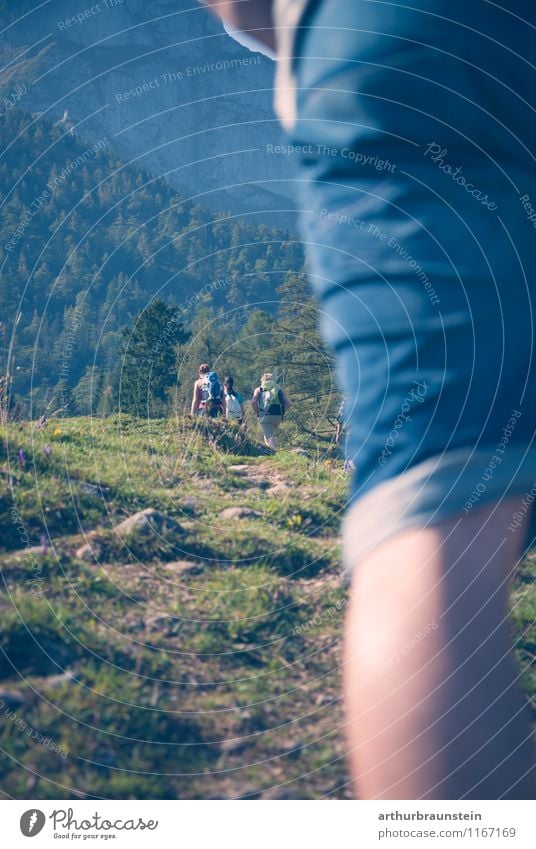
(87, 242)
(161, 352)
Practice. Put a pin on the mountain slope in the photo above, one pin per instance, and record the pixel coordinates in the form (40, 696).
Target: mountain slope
(87, 241)
(164, 83)
(191, 654)
(198, 657)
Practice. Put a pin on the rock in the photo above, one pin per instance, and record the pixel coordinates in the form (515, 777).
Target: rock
(90, 552)
(301, 451)
(233, 744)
(239, 513)
(280, 486)
(183, 567)
(53, 681)
(189, 505)
(12, 698)
(239, 467)
(93, 488)
(163, 624)
(146, 521)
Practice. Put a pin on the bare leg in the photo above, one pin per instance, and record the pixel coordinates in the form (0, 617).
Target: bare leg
(271, 441)
(433, 706)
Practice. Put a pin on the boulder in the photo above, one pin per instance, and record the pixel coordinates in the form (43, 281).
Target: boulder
(147, 521)
(239, 513)
(90, 552)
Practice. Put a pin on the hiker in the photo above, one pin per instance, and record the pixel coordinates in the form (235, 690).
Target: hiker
(416, 181)
(340, 426)
(269, 404)
(234, 403)
(342, 434)
(208, 394)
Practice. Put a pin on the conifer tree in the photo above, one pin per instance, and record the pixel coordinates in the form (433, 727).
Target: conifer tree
(148, 370)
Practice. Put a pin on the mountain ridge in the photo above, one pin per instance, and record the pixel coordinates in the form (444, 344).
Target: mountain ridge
(85, 68)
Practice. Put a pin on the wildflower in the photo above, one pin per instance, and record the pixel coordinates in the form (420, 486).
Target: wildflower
(57, 431)
(22, 458)
(47, 450)
(294, 521)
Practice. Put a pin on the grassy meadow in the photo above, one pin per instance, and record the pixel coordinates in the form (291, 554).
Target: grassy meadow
(193, 652)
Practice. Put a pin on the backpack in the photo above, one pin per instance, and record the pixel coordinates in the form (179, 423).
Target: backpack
(211, 389)
(234, 407)
(271, 401)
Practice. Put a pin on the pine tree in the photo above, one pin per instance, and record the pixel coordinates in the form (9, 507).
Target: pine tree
(148, 370)
(304, 365)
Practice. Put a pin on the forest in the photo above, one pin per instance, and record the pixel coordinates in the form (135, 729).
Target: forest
(90, 243)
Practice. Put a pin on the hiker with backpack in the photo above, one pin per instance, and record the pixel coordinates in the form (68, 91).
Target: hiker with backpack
(270, 404)
(234, 403)
(340, 427)
(208, 394)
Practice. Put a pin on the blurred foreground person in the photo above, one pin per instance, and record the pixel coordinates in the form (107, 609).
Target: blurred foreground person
(413, 134)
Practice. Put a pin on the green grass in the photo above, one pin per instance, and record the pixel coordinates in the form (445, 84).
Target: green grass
(200, 663)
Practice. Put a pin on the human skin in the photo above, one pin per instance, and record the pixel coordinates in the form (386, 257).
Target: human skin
(445, 719)
(248, 16)
(441, 716)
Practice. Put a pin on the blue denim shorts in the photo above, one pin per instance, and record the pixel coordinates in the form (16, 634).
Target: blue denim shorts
(417, 184)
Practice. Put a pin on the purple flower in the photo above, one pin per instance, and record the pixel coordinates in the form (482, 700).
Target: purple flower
(47, 450)
(22, 458)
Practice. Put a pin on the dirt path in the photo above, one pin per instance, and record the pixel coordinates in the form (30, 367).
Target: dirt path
(263, 477)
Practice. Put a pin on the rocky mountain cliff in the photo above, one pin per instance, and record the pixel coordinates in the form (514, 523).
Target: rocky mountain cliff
(162, 83)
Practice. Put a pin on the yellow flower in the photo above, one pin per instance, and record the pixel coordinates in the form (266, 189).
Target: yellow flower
(57, 432)
(294, 521)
